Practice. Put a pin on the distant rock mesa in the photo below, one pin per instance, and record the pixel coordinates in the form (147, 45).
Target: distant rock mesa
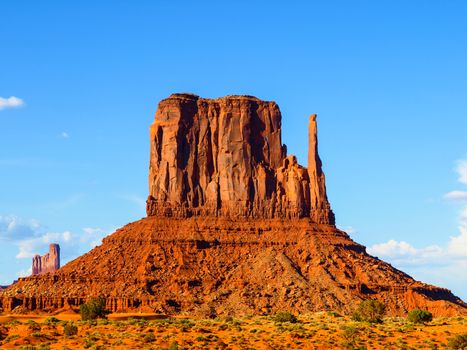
(49, 262)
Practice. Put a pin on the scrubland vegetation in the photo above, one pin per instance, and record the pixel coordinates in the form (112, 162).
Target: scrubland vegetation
(366, 329)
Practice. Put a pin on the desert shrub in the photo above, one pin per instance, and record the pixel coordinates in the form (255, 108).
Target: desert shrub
(285, 316)
(173, 346)
(370, 311)
(420, 316)
(459, 342)
(11, 338)
(33, 326)
(350, 336)
(93, 310)
(333, 314)
(88, 343)
(149, 338)
(51, 321)
(70, 329)
(37, 334)
(103, 322)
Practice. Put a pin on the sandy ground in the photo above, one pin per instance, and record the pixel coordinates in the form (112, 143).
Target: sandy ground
(151, 331)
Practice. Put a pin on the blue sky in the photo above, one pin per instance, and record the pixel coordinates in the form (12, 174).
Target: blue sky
(388, 80)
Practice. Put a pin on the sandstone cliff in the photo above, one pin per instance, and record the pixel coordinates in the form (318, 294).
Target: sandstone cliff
(49, 262)
(225, 157)
(234, 226)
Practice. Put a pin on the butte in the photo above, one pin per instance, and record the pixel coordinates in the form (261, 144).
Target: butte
(234, 226)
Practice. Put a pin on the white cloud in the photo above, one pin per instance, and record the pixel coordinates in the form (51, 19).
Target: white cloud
(436, 263)
(404, 254)
(462, 171)
(10, 102)
(13, 228)
(64, 135)
(440, 265)
(348, 229)
(32, 238)
(456, 195)
(25, 272)
(71, 244)
(39, 245)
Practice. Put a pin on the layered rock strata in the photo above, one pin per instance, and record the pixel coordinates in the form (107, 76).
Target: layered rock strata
(216, 265)
(225, 157)
(49, 262)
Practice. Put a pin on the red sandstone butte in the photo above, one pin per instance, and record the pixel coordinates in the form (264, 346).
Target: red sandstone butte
(225, 157)
(234, 226)
(49, 262)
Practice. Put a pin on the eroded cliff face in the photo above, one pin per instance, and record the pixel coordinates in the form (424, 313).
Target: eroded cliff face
(49, 262)
(225, 157)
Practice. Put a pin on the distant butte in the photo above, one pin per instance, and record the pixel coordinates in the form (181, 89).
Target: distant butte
(234, 226)
(49, 262)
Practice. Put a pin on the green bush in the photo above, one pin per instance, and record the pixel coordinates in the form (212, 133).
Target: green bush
(51, 321)
(93, 310)
(70, 329)
(282, 317)
(33, 326)
(173, 346)
(88, 343)
(459, 342)
(350, 336)
(370, 311)
(149, 338)
(420, 316)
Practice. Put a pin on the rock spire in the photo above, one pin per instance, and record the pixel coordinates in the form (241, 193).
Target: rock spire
(49, 262)
(321, 212)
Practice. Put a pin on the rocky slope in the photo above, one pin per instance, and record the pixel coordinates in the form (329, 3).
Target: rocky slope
(208, 265)
(234, 226)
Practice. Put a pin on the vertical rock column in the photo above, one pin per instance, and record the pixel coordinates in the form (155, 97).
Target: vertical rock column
(50, 262)
(320, 212)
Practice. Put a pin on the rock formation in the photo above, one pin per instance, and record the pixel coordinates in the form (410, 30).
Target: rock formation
(234, 226)
(49, 262)
(225, 157)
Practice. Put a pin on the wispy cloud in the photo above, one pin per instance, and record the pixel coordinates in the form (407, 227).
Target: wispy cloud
(456, 195)
(440, 262)
(13, 228)
(348, 229)
(462, 171)
(64, 135)
(31, 238)
(25, 272)
(10, 102)
(38, 245)
(71, 244)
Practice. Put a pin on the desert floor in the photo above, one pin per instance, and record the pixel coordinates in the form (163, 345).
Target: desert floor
(139, 331)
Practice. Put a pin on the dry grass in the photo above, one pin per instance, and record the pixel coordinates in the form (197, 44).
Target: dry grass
(313, 331)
